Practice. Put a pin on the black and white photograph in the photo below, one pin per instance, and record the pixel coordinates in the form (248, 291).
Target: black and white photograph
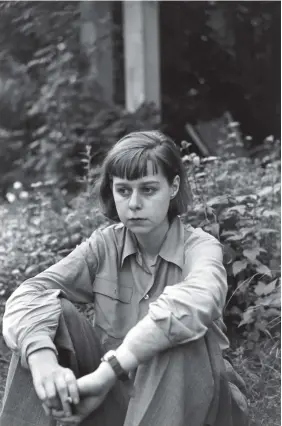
(140, 213)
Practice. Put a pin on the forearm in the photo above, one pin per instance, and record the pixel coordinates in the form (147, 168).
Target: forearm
(32, 312)
(104, 377)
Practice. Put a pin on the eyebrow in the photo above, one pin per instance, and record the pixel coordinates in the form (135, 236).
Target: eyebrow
(149, 182)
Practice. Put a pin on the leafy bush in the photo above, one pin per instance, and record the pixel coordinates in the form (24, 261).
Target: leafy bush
(235, 199)
(51, 106)
(238, 201)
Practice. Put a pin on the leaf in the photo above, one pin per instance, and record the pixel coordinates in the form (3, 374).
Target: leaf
(241, 209)
(235, 310)
(228, 233)
(214, 229)
(272, 313)
(270, 213)
(251, 254)
(239, 266)
(273, 300)
(250, 198)
(217, 201)
(268, 231)
(263, 269)
(232, 235)
(247, 231)
(277, 188)
(31, 270)
(264, 289)
(248, 317)
(265, 191)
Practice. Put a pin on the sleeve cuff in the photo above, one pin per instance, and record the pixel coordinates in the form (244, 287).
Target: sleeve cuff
(146, 339)
(34, 344)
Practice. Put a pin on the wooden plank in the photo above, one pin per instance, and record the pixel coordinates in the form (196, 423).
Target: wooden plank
(141, 51)
(96, 40)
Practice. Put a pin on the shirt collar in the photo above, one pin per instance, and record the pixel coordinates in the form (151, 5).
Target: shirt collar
(172, 249)
(129, 244)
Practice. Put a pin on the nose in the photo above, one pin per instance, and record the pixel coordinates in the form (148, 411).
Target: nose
(135, 201)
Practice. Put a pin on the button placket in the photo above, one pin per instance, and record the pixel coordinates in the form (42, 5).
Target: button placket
(146, 294)
(144, 280)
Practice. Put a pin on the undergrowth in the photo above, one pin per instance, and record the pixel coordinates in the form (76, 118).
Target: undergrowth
(236, 199)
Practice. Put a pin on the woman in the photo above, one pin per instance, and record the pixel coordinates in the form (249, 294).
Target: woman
(154, 355)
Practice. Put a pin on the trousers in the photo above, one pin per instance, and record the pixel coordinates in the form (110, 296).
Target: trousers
(181, 386)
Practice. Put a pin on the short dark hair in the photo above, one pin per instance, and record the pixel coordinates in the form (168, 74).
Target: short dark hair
(128, 159)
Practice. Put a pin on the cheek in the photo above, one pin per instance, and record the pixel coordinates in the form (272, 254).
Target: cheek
(163, 198)
(119, 202)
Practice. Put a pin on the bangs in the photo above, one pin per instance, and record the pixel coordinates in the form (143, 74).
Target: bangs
(132, 164)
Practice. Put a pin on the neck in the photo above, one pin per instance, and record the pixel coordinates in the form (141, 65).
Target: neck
(152, 242)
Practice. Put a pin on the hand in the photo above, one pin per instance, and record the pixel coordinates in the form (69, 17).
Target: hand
(53, 383)
(93, 388)
(81, 411)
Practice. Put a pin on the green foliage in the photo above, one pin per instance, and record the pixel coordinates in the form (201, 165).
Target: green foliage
(40, 231)
(238, 201)
(235, 199)
(51, 106)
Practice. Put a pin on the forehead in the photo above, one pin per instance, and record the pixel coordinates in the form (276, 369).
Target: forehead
(152, 175)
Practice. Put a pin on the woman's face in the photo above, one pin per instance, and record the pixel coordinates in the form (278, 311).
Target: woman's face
(142, 204)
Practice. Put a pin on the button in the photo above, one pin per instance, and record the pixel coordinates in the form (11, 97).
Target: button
(146, 297)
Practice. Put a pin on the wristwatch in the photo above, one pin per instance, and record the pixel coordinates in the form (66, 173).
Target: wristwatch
(111, 358)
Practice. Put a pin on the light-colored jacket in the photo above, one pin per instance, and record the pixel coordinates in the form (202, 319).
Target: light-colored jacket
(148, 311)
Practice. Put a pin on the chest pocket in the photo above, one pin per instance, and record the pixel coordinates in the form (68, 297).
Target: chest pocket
(112, 306)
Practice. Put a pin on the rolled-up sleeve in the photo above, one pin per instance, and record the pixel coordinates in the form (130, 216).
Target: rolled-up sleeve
(32, 312)
(184, 311)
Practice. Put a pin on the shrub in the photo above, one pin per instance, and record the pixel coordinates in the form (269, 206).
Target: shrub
(238, 201)
(51, 106)
(235, 199)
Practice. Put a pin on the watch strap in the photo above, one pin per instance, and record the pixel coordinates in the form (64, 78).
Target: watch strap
(119, 371)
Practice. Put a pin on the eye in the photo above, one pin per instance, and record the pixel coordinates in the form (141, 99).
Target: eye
(148, 190)
(123, 191)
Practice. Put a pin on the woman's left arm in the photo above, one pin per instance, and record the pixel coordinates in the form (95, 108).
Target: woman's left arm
(184, 311)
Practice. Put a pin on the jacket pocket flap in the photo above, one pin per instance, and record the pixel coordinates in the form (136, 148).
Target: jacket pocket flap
(112, 290)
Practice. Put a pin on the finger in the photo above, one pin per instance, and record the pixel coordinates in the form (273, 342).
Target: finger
(63, 394)
(40, 391)
(72, 387)
(67, 420)
(58, 413)
(46, 409)
(51, 393)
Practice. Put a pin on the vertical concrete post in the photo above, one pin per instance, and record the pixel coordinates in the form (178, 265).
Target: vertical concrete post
(142, 53)
(96, 40)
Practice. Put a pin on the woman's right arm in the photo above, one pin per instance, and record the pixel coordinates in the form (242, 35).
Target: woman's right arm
(32, 312)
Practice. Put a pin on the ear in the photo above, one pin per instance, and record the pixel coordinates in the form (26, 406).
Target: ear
(175, 186)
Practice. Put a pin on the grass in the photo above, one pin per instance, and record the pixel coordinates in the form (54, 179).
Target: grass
(261, 370)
